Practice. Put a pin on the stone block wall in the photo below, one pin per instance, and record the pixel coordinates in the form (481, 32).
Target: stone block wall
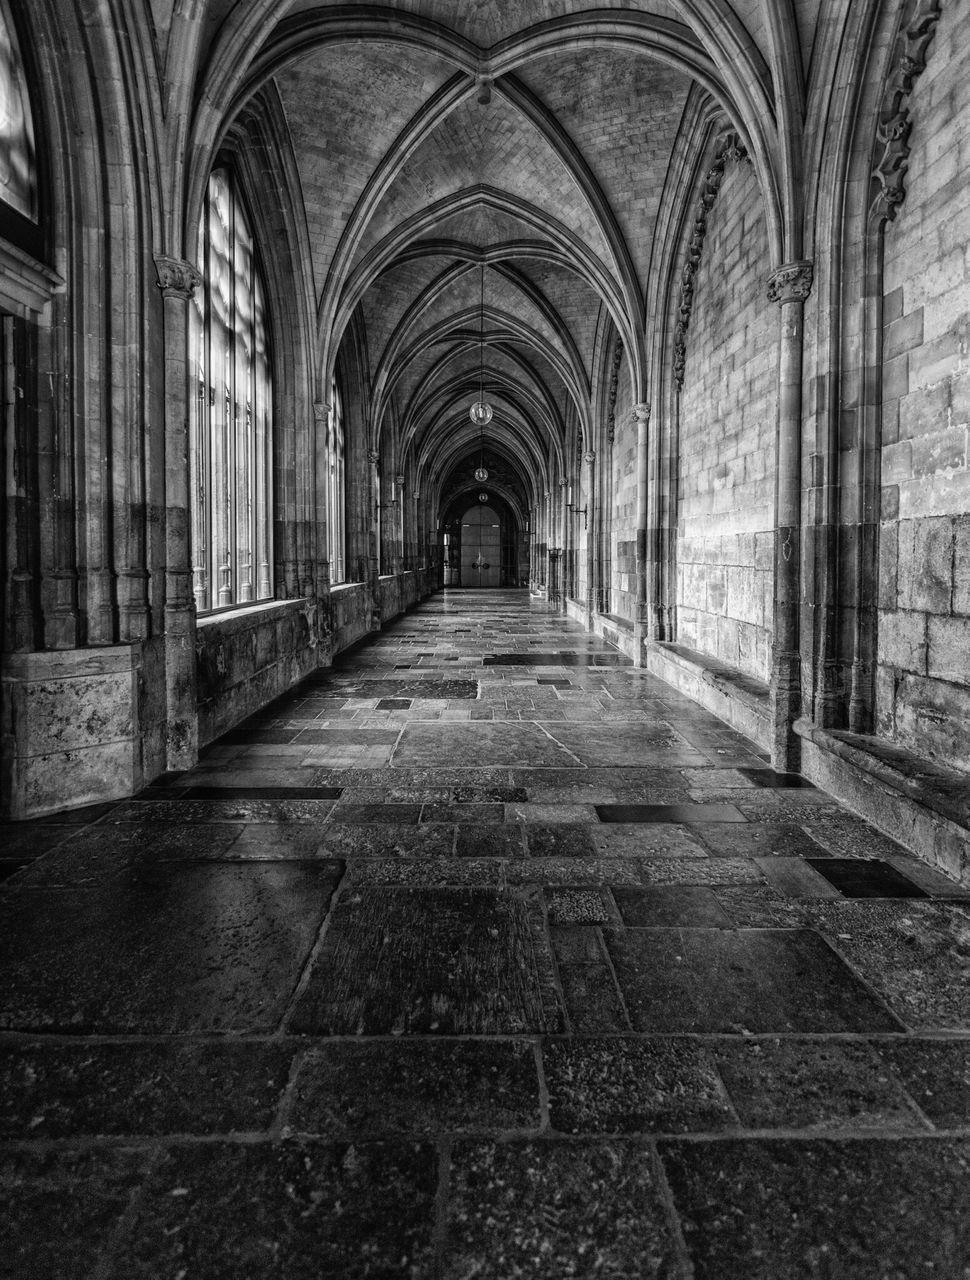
(923, 666)
(725, 539)
(624, 488)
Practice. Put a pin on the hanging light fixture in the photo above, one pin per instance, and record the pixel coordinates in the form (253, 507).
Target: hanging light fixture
(481, 411)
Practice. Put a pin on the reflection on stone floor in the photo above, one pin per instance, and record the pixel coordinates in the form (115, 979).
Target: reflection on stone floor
(521, 966)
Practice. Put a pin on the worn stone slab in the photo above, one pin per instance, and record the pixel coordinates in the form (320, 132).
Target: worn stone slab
(670, 906)
(812, 1084)
(57, 1090)
(574, 871)
(561, 840)
(542, 1211)
(762, 1209)
(162, 950)
(386, 840)
(757, 840)
(422, 961)
(489, 841)
(236, 810)
(914, 953)
(502, 744)
(61, 1209)
(936, 1074)
(646, 840)
(284, 1212)
(580, 906)
(620, 744)
(622, 1085)
(757, 980)
(417, 1088)
(713, 871)
(427, 873)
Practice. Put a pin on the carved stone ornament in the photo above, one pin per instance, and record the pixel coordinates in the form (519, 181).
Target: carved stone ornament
(373, 457)
(589, 456)
(729, 147)
(641, 412)
(791, 283)
(321, 412)
(176, 277)
(614, 379)
(891, 151)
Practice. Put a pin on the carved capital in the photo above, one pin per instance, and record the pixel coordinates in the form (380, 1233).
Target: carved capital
(373, 457)
(563, 484)
(321, 412)
(176, 277)
(791, 283)
(641, 412)
(589, 456)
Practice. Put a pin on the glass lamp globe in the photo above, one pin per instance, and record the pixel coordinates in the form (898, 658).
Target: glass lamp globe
(480, 413)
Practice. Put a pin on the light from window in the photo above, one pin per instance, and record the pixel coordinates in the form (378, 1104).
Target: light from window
(336, 495)
(18, 173)
(231, 422)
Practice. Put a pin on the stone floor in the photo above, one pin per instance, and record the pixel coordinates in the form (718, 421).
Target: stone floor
(482, 955)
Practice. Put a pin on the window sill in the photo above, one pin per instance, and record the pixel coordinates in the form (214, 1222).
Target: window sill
(259, 609)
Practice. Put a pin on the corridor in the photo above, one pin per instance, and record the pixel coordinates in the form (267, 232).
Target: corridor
(482, 954)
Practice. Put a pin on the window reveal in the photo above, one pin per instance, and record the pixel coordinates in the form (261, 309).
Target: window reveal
(231, 423)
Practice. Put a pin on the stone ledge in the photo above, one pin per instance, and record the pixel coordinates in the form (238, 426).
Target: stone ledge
(923, 806)
(739, 699)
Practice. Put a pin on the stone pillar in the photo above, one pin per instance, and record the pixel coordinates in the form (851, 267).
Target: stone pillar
(178, 280)
(789, 286)
(320, 569)
(374, 541)
(641, 622)
(589, 457)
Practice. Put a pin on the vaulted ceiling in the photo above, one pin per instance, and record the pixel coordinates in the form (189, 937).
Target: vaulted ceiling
(519, 151)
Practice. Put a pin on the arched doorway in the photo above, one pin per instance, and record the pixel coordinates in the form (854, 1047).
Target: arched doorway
(481, 547)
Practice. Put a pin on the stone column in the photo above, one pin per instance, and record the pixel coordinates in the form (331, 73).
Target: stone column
(641, 622)
(319, 574)
(374, 541)
(789, 286)
(589, 457)
(178, 280)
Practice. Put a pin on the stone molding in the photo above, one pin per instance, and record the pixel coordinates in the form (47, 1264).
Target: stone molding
(891, 149)
(641, 412)
(321, 412)
(589, 456)
(176, 277)
(729, 147)
(791, 282)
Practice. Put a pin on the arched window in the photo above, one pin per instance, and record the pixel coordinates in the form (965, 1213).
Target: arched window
(336, 496)
(231, 424)
(18, 170)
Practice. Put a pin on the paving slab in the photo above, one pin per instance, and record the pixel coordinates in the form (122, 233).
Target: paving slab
(527, 1211)
(763, 1209)
(757, 980)
(443, 961)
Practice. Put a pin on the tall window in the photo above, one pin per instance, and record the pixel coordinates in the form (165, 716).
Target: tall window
(231, 425)
(18, 175)
(336, 498)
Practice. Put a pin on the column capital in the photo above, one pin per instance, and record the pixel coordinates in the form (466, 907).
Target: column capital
(373, 457)
(564, 483)
(176, 277)
(641, 412)
(321, 412)
(589, 456)
(791, 282)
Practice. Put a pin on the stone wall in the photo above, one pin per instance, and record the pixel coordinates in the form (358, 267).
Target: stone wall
(246, 658)
(624, 531)
(725, 539)
(923, 672)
